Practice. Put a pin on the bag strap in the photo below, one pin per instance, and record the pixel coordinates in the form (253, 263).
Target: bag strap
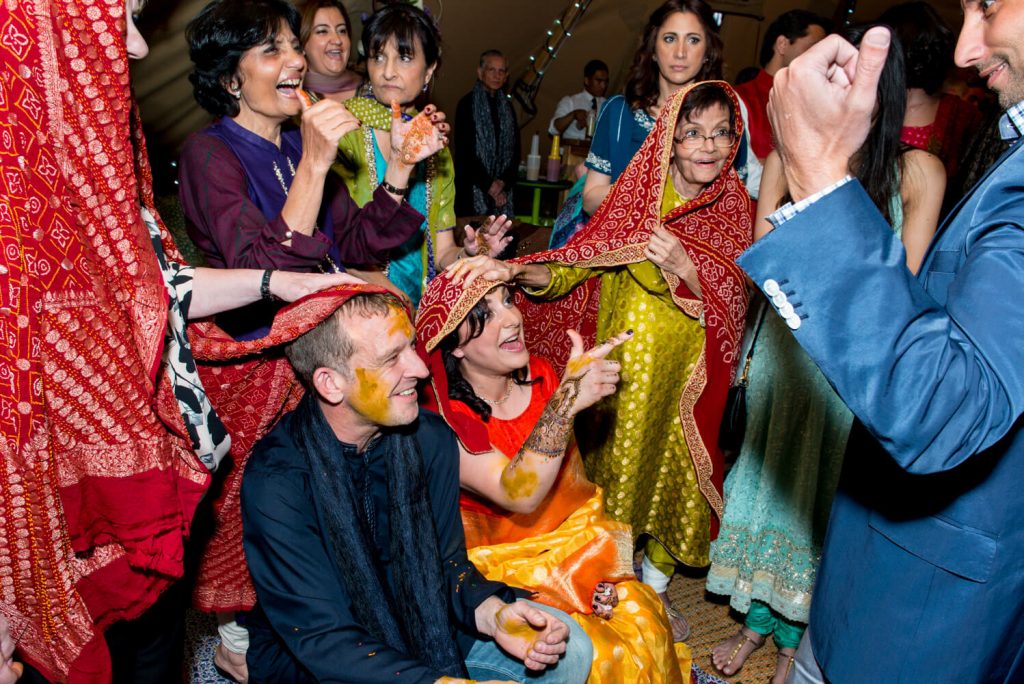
(750, 352)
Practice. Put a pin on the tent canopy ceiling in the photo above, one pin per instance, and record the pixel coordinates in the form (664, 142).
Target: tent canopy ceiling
(609, 31)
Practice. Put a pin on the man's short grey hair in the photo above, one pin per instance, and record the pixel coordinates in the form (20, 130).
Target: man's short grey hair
(489, 53)
(329, 345)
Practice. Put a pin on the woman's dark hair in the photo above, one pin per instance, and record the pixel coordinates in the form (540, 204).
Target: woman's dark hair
(404, 23)
(307, 13)
(927, 43)
(459, 388)
(219, 36)
(878, 163)
(703, 96)
(642, 83)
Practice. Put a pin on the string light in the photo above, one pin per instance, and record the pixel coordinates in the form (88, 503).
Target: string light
(526, 87)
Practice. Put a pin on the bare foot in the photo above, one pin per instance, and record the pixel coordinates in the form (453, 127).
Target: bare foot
(680, 627)
(730, 655)
(232, 663)
(783, 666)
(605, 599)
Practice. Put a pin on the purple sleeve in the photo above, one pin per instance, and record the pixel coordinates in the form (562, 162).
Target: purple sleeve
(225, 225)
(364, 236)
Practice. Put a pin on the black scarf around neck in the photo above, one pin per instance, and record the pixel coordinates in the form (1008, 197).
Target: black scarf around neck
(414, 619)
(494, 148)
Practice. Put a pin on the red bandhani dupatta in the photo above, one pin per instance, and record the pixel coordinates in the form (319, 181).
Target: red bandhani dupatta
(444, 306)
(714, 228)
(98, 482)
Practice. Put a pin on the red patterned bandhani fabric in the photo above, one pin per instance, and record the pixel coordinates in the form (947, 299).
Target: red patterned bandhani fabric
(445, 304)
(714, 228)
(99, 484)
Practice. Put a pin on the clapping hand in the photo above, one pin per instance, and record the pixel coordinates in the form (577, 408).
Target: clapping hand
(491, 238)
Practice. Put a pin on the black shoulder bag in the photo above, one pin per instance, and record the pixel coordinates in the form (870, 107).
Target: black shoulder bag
(734, 419)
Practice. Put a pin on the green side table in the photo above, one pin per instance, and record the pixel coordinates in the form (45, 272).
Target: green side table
(538, 187)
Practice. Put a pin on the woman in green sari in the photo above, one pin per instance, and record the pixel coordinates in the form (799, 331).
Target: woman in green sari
(403, 50)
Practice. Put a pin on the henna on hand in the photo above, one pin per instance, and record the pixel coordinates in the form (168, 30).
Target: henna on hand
(564, 398)
(548, 440)
(550, 436)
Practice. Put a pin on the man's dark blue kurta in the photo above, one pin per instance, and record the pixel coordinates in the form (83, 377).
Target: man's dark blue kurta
(302, 628)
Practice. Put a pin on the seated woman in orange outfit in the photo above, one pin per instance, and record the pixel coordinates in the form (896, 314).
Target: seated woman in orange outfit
(531, 516)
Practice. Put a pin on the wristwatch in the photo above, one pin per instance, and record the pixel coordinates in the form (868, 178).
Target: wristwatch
(401, 192)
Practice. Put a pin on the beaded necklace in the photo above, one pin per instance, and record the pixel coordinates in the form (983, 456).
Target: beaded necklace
(504, 398)
(327, 264)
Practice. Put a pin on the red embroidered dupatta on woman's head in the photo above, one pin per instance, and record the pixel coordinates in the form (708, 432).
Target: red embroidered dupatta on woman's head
(445, 304)
(714, 228)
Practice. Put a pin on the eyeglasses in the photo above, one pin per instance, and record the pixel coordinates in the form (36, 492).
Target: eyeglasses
(693, 139)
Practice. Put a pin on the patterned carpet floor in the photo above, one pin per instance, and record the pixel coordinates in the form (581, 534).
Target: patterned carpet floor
(712, 622)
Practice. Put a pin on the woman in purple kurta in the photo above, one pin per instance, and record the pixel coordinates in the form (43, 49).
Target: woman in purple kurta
(255, 190)
(232, 199)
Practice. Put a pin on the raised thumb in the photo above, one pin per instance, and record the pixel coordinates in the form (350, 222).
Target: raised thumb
(874, 49)
(577, 344)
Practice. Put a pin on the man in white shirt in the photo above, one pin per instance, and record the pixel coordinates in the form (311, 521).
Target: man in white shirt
(570, 119)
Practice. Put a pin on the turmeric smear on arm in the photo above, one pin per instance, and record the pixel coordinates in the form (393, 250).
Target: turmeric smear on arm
(519, 482)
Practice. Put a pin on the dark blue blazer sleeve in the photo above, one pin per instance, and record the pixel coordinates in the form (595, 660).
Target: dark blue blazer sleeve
(934, 382)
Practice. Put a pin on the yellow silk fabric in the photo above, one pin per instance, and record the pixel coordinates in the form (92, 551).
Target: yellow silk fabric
(632, 442)
(635, 645)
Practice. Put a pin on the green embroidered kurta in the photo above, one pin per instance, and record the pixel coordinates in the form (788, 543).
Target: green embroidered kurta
(431, 191)
(633, 441)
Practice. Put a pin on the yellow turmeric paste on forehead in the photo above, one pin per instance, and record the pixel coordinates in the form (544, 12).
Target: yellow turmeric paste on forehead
(399, 323)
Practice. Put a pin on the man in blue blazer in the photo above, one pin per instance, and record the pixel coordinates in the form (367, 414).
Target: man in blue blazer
(922, 577)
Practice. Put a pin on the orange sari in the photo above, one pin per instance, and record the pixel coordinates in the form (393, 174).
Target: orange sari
(563, 549)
